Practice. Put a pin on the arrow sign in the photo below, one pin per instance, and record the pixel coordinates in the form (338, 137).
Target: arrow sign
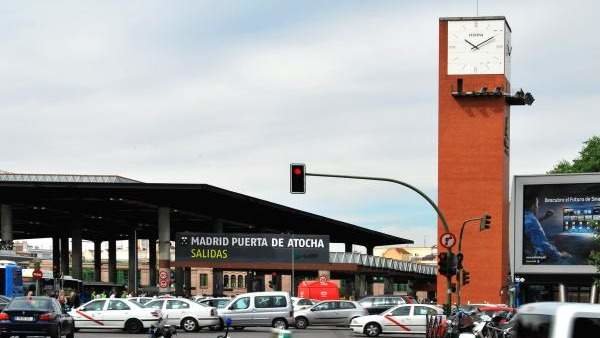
(447, 240)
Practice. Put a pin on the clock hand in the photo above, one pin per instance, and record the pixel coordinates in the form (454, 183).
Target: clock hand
(481, 43)
(474, 47)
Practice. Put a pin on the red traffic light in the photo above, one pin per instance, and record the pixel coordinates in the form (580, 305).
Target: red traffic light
(297, 178)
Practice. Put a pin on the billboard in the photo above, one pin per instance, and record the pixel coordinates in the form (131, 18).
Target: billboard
(251, 247)
(555, 221)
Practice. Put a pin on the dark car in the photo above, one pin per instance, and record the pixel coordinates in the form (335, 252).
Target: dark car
(35, 316)
(3, 302)
(378, 304)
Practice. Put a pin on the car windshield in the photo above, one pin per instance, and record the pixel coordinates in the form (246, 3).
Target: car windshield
(25, 303)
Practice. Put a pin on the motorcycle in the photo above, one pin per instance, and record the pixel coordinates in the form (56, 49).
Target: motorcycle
(161, 329)
(227, 323)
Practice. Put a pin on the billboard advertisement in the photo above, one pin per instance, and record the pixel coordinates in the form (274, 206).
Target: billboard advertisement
(555, 223)
(251, 247)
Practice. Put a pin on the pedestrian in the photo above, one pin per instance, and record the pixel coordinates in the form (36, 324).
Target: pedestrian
(74, 300)
(62, 300)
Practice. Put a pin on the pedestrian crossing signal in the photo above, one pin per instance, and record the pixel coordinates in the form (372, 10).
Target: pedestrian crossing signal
(297, 178)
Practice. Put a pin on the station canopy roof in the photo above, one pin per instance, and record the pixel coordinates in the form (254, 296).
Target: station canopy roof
(111, 207)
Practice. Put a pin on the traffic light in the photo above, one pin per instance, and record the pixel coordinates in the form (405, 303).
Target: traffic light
(297, 178)
(271, 285)
(465, 277)
(442, 266)
(447, 264)
(485, 223)
(459, 260)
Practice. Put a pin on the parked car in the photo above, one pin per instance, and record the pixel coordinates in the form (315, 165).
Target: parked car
(378, 304)
(219, 302)
(114, 313)
(185, 314)
(404, 320)
(140, 300)
(260, 309)
(302, 303)
(35, 316)
(558, 320)
(330, 312)
(3, 302)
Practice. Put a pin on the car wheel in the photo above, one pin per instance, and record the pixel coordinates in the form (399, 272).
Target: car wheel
(71, 334)
(189, 324)
(133, 326)
(372, 329)
(280, 323)
(301, 323)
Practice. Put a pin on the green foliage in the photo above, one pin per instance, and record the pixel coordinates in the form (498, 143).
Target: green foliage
(588, 160)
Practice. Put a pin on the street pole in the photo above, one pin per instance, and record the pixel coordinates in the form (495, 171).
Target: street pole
(429, 200)
(459, 270)
(293, 259)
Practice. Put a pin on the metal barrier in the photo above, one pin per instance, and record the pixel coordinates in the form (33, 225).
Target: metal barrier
(436, 327)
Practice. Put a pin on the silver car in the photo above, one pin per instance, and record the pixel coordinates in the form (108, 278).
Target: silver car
(330, 312)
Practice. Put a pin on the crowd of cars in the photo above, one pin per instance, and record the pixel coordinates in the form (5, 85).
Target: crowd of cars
(33, 315)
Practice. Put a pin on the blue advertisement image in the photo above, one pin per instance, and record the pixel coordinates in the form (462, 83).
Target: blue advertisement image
(560, 223)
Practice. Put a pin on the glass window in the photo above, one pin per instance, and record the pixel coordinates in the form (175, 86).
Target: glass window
(367, 302)
(203, 280)
(401, 311)
(392, 301)
(586, 327)
(226, 281)
(304, 301)
(269, 301)
(424, 311)
(347, 305)
(240, 281)
(241, 304)
(533, 326)
(157, 304)
(22, 303)
(222, 303)
(117, 305)
(380, 301)
(325, 306)
(177, 304)
(233, 282)
(96, 305)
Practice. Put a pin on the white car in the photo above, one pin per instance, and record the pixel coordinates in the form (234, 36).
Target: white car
(186, 314)
(302, 303)
(403, 320)
(114, 313)
(140, 300)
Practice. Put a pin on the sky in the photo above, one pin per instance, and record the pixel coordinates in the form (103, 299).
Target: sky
(229, 93)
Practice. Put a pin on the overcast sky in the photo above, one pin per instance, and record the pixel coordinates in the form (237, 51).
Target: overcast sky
(228, 93)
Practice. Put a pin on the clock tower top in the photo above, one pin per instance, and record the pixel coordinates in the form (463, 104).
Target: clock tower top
(476, 18)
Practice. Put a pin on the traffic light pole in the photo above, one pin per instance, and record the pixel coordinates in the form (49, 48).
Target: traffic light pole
(460, 266)
(429, 200)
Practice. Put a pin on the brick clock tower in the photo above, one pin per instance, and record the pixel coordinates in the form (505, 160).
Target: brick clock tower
(474, 148)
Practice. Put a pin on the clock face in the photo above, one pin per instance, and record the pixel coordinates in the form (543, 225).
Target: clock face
(478, 47)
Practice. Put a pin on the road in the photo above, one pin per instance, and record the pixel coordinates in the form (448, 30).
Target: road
(321, 332)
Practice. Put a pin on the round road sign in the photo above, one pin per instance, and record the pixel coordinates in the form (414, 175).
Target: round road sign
(447, 240)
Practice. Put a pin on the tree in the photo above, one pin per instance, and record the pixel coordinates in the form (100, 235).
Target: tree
(587, 161)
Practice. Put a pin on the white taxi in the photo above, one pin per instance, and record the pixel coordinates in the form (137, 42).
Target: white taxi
(186, 314)
(114, 313)
(402, 320)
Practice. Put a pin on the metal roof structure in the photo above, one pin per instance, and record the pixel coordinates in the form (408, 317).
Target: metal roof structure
(58, 178)
(112, 207)
(381, 263)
